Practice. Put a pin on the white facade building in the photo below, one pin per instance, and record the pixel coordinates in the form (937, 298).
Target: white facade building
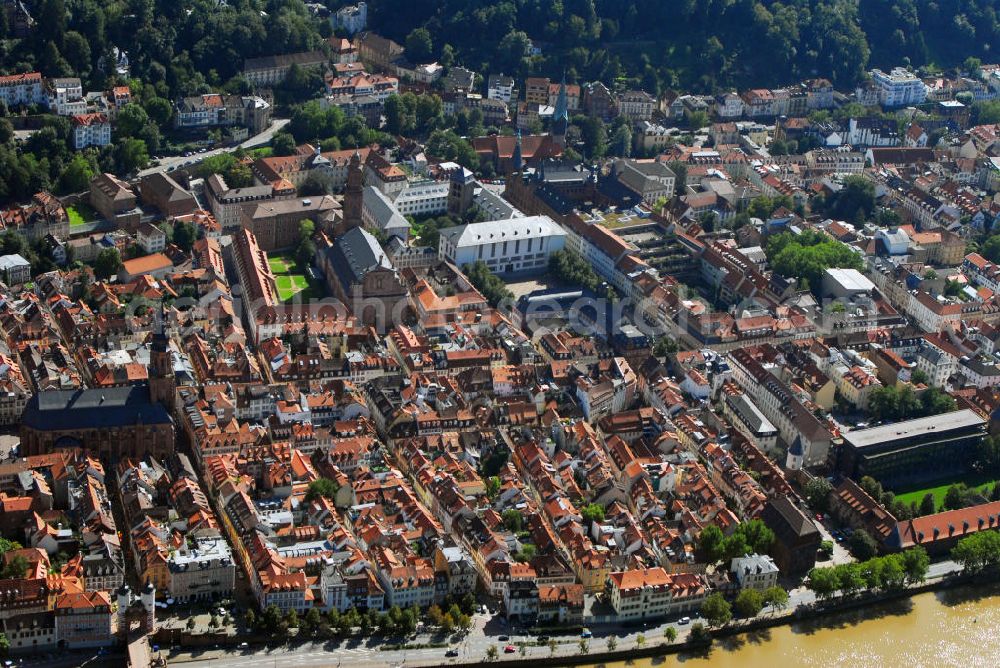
(23, 90)
(500, 87)
(352, 19)
(423, 199)
(506, 246)
(91, 130)
(66, 96)
(898, 88)
(755, 571)
(203, 570)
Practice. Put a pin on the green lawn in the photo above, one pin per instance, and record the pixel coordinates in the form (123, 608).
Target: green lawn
(978, 481)
(80, 214)
(289, 280)
(281, 264)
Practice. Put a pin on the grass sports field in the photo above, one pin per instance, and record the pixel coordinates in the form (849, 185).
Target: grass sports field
(289, 280)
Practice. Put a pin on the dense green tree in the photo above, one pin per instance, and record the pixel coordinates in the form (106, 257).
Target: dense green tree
(893, 403)
(915, 564)
(513, 520)
(854, 202)
(447, 145)
(185, 234)
(700, 634)
(823, 582)
(131, 120)
(621, 142)
(108, 263)
(492, 287)
(809, 255)
(283, 144)
(159, 110)
(221, 163)
(131, 155)
(76, 50)
(776, 597)
(716, 610)
(15, 568)
(986, 112)
(77, 175)
(817, 492)
(927, 506)
(709, 548)
(748, 603)
(419, 47)
(762, 207)
(594, 136)
(593, 512)
(862, 545)
(574, 270)
(978, 552)
(322, 487)
(272, 621)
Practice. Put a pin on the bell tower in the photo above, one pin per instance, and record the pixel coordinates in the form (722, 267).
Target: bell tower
(353, 194)
(161, 371)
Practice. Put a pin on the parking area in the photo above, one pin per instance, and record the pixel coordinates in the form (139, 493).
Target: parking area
(837, 536)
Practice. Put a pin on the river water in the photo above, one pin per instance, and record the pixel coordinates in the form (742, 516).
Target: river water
(958, 627)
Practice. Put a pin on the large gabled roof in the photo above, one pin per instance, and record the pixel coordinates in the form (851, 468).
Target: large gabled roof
(61, 410)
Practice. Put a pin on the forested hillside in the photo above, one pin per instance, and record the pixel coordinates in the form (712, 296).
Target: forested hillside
(179, 46)
(699, 44)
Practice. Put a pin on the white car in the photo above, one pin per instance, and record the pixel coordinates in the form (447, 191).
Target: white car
(684, 620)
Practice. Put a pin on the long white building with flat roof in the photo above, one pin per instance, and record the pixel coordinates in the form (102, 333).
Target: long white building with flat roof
(510, 246)
(898, 88)
(423, 199)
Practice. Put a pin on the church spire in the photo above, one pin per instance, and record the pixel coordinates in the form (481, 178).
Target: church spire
(560, 120)
(562, 105)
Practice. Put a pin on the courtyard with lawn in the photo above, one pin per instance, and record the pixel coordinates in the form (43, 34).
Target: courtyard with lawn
(291, 280)
(80, 214)
(978, 481)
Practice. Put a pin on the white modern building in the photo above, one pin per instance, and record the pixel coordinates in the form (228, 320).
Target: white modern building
(423, 199)
(66, 96)
(506, 246)
(14, 269)
(898, 88)
(90, 130)
(500, 87)
(351, 19)
(202, 570)
(23, 90)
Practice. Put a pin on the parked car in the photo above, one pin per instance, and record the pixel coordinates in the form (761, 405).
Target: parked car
(543, 638)
(509, 649)
(585, 633)
(451, 653)
(684, 620)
